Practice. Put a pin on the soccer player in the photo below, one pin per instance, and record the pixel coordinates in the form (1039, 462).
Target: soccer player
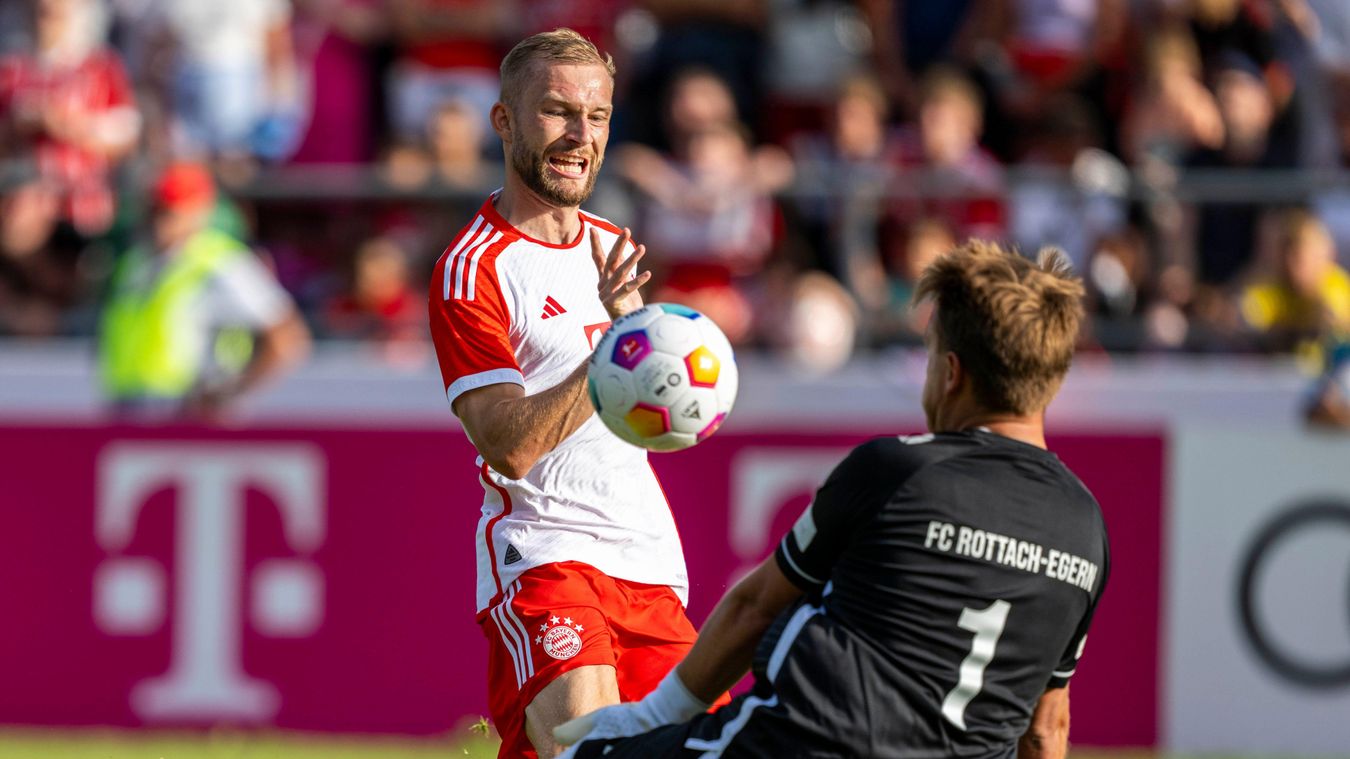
(934, 598)
(581, 577)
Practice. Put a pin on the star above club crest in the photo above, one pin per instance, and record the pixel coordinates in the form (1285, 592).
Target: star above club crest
(553, 620)
(543, 627)
(580, 628)
(538, 639)
(567, 620)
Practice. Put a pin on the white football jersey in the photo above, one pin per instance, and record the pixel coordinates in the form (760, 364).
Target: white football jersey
(508, 308)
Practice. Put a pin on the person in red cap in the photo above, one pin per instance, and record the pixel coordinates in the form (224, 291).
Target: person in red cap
(194, 320)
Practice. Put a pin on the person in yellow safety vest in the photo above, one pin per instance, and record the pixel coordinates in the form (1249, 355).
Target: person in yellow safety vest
(193, 320)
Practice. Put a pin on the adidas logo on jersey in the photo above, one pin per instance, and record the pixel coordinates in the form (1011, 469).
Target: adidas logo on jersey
(552, 308)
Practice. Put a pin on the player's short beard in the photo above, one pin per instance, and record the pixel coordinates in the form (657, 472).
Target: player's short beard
(534, 171)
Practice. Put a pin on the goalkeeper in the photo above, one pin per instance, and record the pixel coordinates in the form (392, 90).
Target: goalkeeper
(934, 598)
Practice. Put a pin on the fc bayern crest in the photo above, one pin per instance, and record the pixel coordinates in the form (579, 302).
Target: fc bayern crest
(560, 638)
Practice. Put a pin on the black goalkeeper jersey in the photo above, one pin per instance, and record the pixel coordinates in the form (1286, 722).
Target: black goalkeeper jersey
(950, 581)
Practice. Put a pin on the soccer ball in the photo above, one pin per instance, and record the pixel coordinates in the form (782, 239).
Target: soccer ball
(663, 377)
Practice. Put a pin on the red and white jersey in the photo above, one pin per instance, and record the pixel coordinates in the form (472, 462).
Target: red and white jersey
(508, 308)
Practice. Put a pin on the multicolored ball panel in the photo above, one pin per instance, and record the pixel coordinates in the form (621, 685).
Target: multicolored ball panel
(630, 348)
(703, 367)
(648, 421)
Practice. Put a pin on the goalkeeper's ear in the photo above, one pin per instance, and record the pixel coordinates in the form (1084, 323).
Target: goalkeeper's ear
(574, 730)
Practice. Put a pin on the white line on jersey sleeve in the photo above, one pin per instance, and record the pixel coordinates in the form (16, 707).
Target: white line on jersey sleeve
(452, 259)
(473, 266)
(482, 379)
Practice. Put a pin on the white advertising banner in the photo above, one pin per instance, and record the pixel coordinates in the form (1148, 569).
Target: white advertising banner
(1258, 592)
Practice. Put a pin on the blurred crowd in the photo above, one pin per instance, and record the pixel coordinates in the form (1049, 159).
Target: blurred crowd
(790, 164)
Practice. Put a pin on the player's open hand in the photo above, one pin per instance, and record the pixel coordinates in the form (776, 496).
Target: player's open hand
(618, 286)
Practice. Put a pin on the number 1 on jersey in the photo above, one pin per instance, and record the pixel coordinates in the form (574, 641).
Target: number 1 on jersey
(987, 624)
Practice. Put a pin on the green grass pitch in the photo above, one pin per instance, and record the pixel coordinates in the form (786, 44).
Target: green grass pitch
(468, 743)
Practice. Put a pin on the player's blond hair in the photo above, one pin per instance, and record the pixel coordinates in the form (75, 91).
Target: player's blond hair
(560, 46)
(1012, 323)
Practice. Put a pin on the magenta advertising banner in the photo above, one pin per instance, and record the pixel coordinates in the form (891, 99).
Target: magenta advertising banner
(321, 579)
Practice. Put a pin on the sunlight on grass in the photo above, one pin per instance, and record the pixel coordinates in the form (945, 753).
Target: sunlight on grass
(474, 741)
(223, 744)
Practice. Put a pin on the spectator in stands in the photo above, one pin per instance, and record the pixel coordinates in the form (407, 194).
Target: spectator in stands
(1280, 39)
(909, 37)
(453, 133)
(29, 275)
(1172, 112)
(725, 37)
(811, 324)
(710, 216)
(1080, 195)
(446, 49)
(232, 81)
(813, 47)
(849, 168)
(696, 99)
(904, 322)
(380, 304)
(193, 321)
(1307, 299)
(1125, 314)
(68, 116)
(1223, 27)
(1029, 51)
(446, 152)
(1226, 232)
(956, 179)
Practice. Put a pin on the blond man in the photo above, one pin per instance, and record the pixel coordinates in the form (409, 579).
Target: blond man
(581, 577)
(934, 598)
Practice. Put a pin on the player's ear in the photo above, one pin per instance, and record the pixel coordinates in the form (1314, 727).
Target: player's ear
(501, 120)
(956, 374)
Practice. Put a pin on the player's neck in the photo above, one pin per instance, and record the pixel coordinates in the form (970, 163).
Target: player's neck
(535, 217)
(1021, 429)
(1024, 428)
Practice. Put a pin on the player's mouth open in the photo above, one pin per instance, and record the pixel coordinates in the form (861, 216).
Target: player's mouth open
(569, 166)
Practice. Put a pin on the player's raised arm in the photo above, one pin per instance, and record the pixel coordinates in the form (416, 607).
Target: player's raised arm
(726, 642)
(513, 430)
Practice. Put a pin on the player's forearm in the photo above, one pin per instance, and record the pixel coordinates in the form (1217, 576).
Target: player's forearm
(1036, 745)
(1048, 735)
(726, 644)
(521, 430)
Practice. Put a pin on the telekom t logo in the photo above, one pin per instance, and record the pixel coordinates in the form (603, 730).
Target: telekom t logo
(205, 679)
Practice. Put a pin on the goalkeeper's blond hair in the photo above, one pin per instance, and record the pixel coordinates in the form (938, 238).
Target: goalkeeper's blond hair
(1012, 322)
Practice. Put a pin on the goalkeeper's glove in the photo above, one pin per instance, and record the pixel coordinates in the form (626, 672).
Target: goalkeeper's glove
(669, 704)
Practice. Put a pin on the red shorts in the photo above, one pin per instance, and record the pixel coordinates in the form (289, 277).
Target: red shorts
(562, 616)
